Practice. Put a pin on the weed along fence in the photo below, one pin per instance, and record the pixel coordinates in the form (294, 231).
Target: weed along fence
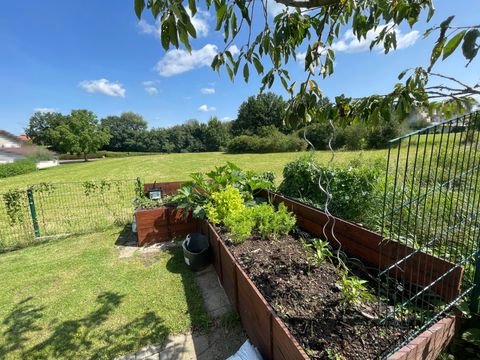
(49, 209)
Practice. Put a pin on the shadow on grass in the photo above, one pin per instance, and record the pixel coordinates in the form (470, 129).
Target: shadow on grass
(80, 338)
(21, 321)
(126, 237)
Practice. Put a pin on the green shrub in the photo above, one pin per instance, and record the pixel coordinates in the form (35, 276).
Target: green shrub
(263, 218)
(379, 137)
(353, 290)
(224, 203)
(319, 135)
(41, 154)
(240, 224)
(355, 137)
(353, 190)
(269, 140)
(18, 167)
(271, 223)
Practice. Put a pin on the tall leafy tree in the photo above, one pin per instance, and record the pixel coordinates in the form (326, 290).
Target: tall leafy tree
(40, 126)
(316, 24)
(259, 111)
(80, 134)
(127, 132)
(217, 134)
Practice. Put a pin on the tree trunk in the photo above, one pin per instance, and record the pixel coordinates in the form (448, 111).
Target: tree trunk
(85, 156)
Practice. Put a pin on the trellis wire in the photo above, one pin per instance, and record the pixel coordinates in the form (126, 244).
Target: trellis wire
(64, 209)
(431, 205)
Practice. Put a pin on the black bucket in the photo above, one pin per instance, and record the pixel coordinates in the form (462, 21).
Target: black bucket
(196, 251)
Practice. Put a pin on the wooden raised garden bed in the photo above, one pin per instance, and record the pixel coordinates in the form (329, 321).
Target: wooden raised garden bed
(264, 327)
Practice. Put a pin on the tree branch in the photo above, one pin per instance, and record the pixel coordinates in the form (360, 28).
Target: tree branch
(308, 4)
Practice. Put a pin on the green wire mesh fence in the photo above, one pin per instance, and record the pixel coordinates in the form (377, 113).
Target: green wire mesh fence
(49, 209)
(430, 224)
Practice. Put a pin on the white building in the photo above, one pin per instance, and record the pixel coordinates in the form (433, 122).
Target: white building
(14, 148)
(10, 146)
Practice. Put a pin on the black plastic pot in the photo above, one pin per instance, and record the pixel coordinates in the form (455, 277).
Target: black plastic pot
(196, 251)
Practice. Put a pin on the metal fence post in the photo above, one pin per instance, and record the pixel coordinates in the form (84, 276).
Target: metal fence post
(474, 305)
(33, 212)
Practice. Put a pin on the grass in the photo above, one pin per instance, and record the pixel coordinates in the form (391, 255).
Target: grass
(75, 298)
(170, 167)
(68, 209)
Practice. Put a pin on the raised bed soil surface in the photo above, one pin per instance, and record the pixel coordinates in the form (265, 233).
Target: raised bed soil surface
(308, 300)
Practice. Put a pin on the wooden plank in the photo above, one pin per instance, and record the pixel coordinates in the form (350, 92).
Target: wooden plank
(255, 314)
(429, 344)
(162, 224)
(229, 276)
(167, 188)
(284, 345)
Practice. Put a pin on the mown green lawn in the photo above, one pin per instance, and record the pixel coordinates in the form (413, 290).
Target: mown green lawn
(74, 298)
(170, 167)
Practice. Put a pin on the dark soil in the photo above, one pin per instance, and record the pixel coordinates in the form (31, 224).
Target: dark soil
(307, 299)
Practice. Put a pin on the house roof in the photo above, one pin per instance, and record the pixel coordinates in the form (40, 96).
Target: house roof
(10, 136)
(23, 138)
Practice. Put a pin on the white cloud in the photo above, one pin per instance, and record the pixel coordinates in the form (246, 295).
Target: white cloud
(234, 50)
(44, 110)
(274, 8)
(226, 118)
(178, 61)
(206, 108)
(199, 22)
(300, 57)
(149, 83)
(151, 90)
(146, 28)
(103, 86)
(150, 87)
(350, 44)
(207, 91)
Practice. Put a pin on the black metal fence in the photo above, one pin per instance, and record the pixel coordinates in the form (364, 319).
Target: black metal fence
(431, 207)
(48, 209)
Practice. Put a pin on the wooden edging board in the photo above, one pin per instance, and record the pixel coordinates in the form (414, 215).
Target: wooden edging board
(162, 224)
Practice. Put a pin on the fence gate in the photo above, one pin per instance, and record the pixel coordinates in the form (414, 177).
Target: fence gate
(430, 225)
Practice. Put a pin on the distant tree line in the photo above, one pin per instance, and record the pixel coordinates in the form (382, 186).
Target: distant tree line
(259, 128)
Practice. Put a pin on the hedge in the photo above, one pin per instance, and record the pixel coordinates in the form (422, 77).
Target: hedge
(18, 167)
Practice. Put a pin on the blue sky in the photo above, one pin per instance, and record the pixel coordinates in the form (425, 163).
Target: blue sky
(92, 54)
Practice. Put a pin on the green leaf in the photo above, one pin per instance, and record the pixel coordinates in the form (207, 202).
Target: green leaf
(452, 44)
(258, 65)
(230, 72)
(402, 74)
(472, 336)
(469, 46)
(192, 6)
(191, 29)
(233, 24)
(436, 52)
(165, 35)
(220, 15)
(139, 6)
(172, 29)
(246, 72)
